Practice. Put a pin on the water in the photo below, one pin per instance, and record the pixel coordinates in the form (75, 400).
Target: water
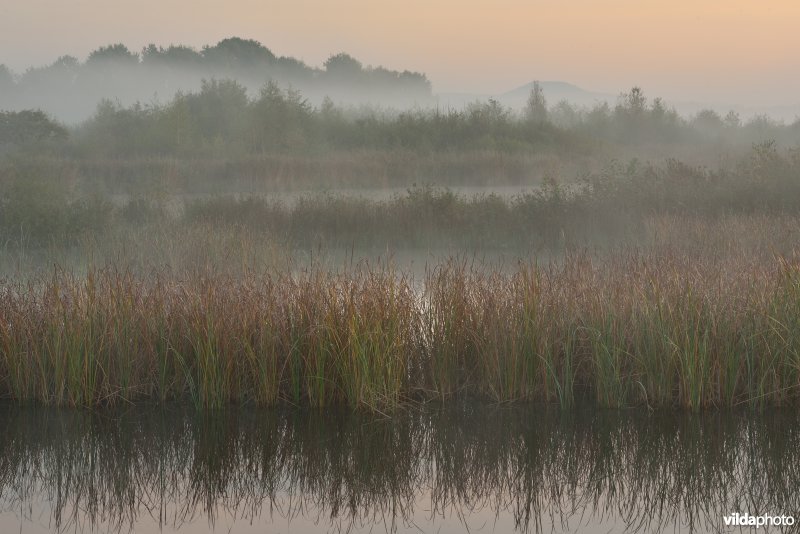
(471, 467)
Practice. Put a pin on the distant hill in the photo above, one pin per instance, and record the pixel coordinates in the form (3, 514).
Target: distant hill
(554, 92)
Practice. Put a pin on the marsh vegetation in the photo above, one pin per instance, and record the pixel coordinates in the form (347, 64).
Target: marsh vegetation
(278, 294)
(202, 250)
(652, 330)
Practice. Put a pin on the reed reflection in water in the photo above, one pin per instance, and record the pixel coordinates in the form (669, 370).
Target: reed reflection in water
(488, 468)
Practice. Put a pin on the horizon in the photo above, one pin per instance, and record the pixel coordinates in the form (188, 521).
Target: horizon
(742, 55)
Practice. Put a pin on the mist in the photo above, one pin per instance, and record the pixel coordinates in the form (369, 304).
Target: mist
(215, 171)
(298, 160)
(70, 89)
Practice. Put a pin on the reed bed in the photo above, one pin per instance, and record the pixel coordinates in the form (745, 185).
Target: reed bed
(655, 329)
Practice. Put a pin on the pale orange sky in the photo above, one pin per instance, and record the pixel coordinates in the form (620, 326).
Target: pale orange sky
(737, 51)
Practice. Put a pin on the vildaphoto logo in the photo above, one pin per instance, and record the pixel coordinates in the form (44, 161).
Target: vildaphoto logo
(766, 520)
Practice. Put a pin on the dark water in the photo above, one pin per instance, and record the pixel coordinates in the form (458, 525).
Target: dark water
(476, 468)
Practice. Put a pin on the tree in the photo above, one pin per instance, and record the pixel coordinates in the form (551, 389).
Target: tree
(115, 53)
(732, 120)
(565, 115)
(657, 109)
(708, 120)
(64, 71)
(536, 108)
(416, 80)
(487, 116)
(55, 77)
(343, 66)
(631, 116)
(29, 126)
(6, 80)
(599, 118)
(235, 52)
(70, 63)
(219, 110)
(280, 118)
(173, 56)
(632, 103)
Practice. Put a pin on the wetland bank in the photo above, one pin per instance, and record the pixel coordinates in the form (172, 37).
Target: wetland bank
(243, 309)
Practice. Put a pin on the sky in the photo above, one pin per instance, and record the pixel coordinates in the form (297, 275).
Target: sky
(731, 51)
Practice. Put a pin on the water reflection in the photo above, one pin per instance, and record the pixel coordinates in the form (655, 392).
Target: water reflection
(478, 467)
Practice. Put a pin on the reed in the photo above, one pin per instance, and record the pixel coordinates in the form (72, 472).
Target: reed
(630, 329)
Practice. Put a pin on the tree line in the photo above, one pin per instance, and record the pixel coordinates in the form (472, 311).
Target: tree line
(223, 119)
(71, 88)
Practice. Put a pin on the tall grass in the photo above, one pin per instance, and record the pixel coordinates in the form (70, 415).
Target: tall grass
(633, 329)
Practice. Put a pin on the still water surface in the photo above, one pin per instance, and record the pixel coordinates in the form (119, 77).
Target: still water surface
(473, 468)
